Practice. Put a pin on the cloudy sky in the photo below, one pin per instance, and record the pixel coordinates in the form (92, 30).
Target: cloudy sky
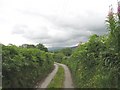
(54, 23)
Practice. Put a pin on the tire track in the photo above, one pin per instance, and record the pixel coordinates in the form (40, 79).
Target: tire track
(48, 78)
(68, 83)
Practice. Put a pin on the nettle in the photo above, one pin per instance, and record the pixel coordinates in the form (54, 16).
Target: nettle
(113, 20)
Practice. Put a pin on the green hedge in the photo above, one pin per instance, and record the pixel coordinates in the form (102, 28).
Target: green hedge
(22, 67)
(93, 65)
(96, 63)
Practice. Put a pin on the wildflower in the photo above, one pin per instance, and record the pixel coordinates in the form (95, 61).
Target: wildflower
(110, 11)
(118, 10)
(119, 7)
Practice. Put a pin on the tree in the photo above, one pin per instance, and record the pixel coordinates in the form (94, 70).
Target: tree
(41, 47)
(28, 46)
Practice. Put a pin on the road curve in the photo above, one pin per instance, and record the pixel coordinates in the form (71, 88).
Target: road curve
(48, 78)
(68, 83)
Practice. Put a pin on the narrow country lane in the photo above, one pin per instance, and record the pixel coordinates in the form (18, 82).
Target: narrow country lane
(68, 83)
(49, 78)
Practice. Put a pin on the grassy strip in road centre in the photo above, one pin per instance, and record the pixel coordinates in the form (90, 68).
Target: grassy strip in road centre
(58, 80)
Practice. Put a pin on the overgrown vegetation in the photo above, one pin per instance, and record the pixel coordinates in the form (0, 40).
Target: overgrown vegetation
(96, 63)
(22, 67)
(58, 80)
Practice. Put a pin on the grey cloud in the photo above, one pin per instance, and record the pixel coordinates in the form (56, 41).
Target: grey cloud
(40, 33)
(68, 43)
(19, 29)
(66, 40)
(64, 31)
(92, 21)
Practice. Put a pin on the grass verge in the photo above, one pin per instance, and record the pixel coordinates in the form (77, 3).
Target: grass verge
(58, 80)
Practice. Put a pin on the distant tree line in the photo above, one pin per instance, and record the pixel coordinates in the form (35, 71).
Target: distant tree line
(38, 46)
